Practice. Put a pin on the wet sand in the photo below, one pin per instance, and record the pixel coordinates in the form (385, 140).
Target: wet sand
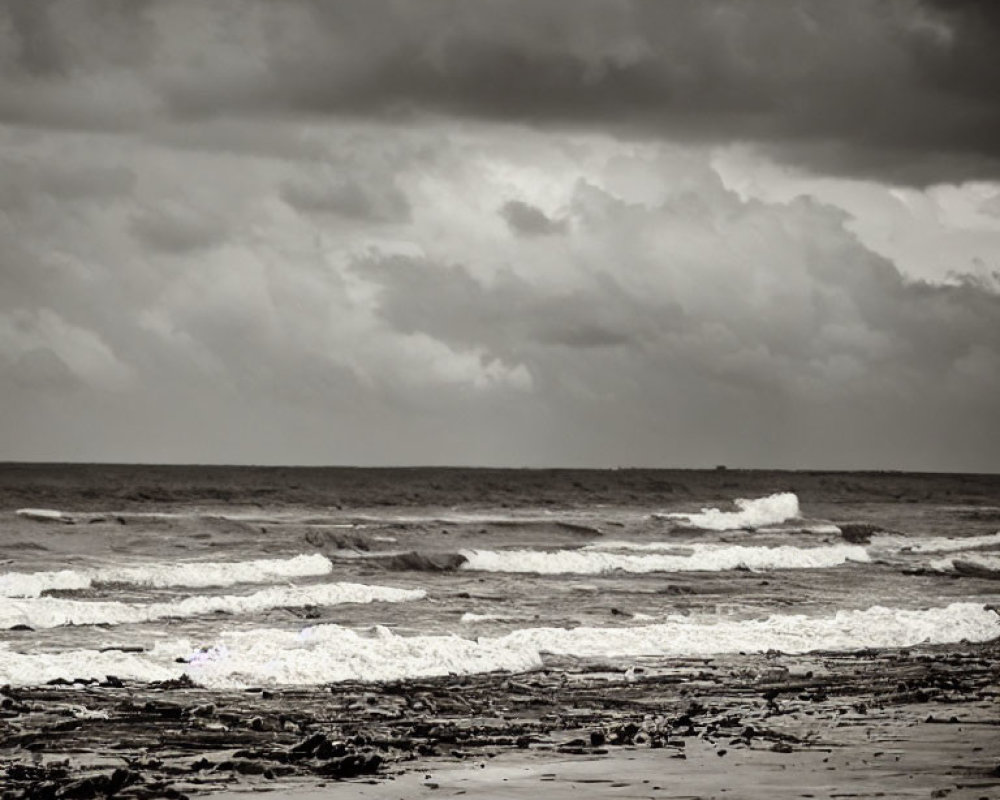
(916, 760)
(921, 722)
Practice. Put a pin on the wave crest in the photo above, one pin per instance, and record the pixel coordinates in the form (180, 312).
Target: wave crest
(53, 612)
(708, 558)
(755, 513)
(194, 574)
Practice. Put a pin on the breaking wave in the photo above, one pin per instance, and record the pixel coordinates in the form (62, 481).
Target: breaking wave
(52, 612)
(708, 558)
(770, 510)
(793, 633)
(331, 653)
(194, 574)
(320, 654)
(938, 544)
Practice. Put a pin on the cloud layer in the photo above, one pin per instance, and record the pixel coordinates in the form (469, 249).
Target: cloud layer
(501, 233)
(903, 89)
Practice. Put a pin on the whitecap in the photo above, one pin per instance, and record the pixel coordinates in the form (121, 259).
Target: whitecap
(754, 513)
(712, 558)
(331, 653)
(315, 655)
(877, 627)
(43, 515)
(194, 574)
(52, 612)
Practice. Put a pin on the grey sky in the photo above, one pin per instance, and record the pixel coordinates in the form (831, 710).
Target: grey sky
(519, 233)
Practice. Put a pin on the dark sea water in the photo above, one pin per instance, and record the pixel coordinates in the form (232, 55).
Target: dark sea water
(250, 577)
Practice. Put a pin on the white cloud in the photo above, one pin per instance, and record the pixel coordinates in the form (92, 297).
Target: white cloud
(670, 320)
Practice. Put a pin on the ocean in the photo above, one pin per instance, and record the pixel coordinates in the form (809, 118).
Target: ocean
(238, 579)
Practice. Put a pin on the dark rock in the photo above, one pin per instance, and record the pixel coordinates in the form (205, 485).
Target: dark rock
(120, 779)
(308, 746)
(326, 750)
(973, 570)
(244, 767)
(350, 766)
(858, 532)
(422, 562)
(95, 786)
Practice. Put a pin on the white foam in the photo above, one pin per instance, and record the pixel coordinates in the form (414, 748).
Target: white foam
(756, 513)
(330, 653)
(194, 574)
(711, 558)
(321, 654)
(794, 633)
(52, 612)
(32, 584)
(938, 544)
(469, 618)
(43, 514)
(26, 669)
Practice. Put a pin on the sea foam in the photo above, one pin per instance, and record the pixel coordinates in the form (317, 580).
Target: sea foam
(315, 655)
(756, 513)
(331, 653)
(194, 574)
(52, 612)
(43, 515)
(709, 558)
(32, 584)
(791, 633)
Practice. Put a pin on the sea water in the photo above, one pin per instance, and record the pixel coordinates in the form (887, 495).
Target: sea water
(307, 594)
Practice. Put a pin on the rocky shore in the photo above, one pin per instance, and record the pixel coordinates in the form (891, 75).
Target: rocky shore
(174, 740)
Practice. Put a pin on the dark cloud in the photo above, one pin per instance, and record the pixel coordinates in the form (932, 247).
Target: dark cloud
(509, 316)
(349, 198)
(905, 90)
(528, 220)
(177, 232)
(843, 85)
(38, 50)
(26, 181)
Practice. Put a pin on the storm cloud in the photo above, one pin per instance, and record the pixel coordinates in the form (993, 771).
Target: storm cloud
(520, 233)
(902, 89)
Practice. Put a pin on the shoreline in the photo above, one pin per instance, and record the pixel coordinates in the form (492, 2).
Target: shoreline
(749, 715)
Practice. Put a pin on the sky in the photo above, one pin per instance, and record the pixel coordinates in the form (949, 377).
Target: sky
(535, 233)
